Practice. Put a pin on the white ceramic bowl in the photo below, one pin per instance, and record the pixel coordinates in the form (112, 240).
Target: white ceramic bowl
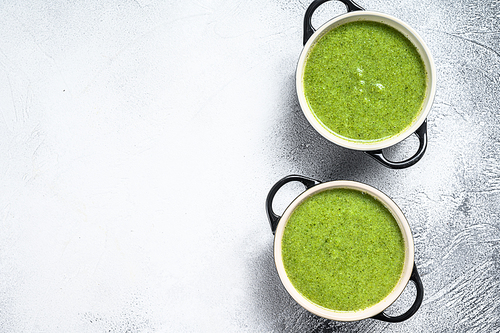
(407, 31)
(278, 224)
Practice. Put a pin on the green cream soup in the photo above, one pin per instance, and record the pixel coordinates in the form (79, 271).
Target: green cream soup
(343, 250)
(364, 81)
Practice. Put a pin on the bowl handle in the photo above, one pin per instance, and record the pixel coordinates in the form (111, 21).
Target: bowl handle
(418, 301)
(421, 133)
(308, 28)
(273, 217)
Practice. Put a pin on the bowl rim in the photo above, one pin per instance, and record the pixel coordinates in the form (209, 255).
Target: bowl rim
(407, 266)
(408, 32)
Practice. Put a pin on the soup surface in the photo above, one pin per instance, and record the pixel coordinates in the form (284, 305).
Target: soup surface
(365, 81)
(343, 250)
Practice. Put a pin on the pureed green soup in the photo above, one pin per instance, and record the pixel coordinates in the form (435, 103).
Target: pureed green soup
(343, 250)
(365, 81)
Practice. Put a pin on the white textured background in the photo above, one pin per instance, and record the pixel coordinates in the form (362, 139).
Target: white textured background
(139, 139)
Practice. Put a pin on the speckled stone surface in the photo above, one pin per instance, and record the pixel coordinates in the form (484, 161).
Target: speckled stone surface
(139, 139)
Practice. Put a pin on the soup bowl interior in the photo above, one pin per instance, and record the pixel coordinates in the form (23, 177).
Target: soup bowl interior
(346, 315)
(409, 33)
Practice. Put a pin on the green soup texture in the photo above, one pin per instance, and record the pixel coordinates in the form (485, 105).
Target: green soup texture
(343, 250)
(365, 81)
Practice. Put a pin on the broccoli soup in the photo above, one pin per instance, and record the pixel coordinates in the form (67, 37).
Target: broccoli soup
(343, 250)
(365, 81)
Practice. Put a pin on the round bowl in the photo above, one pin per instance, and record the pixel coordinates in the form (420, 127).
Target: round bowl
(278, 225)
(356, 13)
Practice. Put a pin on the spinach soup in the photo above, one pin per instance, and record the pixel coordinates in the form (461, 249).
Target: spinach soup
(343, 249)
(365, 81)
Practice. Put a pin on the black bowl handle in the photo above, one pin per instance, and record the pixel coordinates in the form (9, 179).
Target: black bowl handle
(413, 309)
(273, 218)
(421, 133)
(308, 28)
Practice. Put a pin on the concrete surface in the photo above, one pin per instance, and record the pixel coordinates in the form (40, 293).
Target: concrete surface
(139, 139)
